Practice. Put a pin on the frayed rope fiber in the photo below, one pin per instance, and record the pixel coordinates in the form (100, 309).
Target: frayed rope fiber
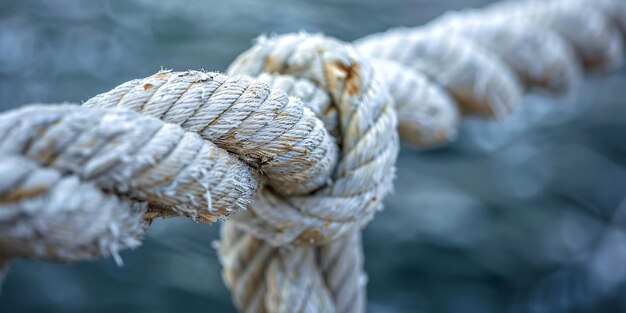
(475, 62)
(300, 152)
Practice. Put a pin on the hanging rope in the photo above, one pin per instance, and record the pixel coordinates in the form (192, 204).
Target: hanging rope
(311, 170)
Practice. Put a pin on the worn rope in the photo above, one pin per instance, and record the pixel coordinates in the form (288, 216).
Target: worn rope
(274, 134)
(485, 59)
(178, 170)
(327, 213)
(358, 110)
(116, 153)
(364, 120)
(473, 63)
(311, 170)
(41, 208)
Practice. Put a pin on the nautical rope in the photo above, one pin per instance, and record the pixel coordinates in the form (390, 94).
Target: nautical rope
(82, 182)
(274, 134)
(366, 124)
(359, 111)
(472, 63)
(485, 59)
(174, 170)
(96, 154)
(38, 201)
(364, 120)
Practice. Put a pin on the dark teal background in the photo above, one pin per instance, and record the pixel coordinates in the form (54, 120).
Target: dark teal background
(526, 215)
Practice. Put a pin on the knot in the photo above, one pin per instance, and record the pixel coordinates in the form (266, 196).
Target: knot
(357, 109)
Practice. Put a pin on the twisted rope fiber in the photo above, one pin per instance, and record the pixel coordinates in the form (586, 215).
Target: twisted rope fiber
(178, 171)
(366, 121)
(139, 159)
(38, 201)
(481, 61)
(363, 117)
(299, 246)
(330, 209)
(269, 131)
(473, 63)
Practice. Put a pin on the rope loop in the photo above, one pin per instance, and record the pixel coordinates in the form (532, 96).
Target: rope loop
(366, 127)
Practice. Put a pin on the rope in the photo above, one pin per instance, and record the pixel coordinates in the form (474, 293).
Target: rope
(486, 59)
(270, 132)
(177, 171)
(321, 216)
(54, 153)
(38, 200)
(128, 154)
(470, 63)
(365, 124)
(311, 170)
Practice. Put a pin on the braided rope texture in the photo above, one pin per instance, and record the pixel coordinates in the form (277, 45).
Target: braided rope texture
(325, 214)
(211, 105)
(230, 130)
(366, 124)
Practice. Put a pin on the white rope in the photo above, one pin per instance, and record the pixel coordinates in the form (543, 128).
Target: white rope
(483, 62)
(46, 214)
(175, 171)
(269, 279)
(487, 58)
(131, 155)
(312, 170)
(264, 127)
(365, 124)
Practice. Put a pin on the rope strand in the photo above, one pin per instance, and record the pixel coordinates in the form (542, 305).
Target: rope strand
(311, 170)
(474, 63)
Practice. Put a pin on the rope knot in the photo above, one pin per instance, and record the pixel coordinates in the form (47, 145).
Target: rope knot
(358, 110)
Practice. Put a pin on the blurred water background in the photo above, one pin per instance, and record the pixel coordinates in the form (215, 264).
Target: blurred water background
(526, 215)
